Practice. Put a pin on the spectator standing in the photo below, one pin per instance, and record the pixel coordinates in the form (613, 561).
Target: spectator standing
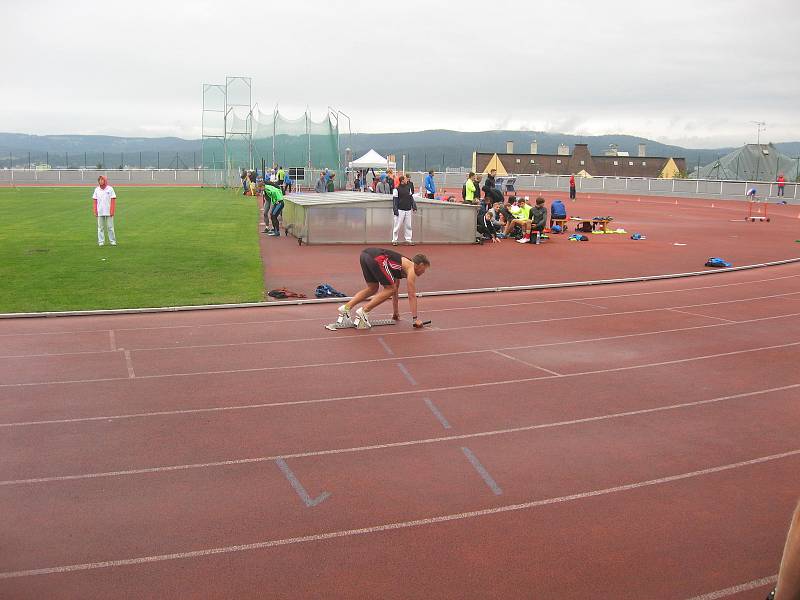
(572, 187)
(468, 191)
(490, 183)
(288, 182)
(478, 187)
(781, 184)
(383, 187)
(282, 179)
(105, 201)
(490, 192)
(403, 207)
(331, 186)
(430, 185)
(322, 185)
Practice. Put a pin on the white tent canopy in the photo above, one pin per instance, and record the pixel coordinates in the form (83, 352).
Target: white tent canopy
(371, 160)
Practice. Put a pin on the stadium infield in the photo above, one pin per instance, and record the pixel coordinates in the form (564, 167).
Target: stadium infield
(176, 246)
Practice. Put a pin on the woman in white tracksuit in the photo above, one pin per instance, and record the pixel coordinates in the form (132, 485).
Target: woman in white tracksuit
(104, 203)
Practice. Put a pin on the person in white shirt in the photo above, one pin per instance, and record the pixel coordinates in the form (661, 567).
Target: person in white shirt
(104, 203)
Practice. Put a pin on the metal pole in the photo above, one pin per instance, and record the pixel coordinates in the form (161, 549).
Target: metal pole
(308, 134)
(274, 119)
(158, 160)
(29, 161)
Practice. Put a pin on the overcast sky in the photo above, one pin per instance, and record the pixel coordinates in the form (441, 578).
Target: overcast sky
(694, 73)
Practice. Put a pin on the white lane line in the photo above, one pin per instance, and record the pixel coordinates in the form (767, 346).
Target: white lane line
(129, 364)
(476, 307)
(112, 340)
(476, 464)
(437, 413)
(737, 589)
(439, 329)
(417, 442)
(456, 328)
(298, 487)
(591, 305)
(383, 343)
(395, 525)
(686, 312)
(383, 394)
(406, 374)
(525, 362)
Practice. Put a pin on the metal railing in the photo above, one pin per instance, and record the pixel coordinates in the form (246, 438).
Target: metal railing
(688, 188)
(55, 177)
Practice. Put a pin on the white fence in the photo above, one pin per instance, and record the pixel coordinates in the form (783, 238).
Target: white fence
(688, 188)
(51, 177)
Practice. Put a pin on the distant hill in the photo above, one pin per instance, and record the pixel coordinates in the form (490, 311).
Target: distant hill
(423, 149)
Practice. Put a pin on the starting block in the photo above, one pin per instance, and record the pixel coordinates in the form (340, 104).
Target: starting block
(345, 323)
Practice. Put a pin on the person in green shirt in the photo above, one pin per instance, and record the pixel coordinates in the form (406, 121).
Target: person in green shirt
(470, 187)
(331, 186)
(273, 209)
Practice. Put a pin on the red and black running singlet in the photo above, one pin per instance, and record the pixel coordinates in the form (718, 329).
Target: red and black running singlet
(389, 262)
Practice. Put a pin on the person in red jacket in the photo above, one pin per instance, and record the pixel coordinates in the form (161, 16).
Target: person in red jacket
(572, 187)
(781, 184)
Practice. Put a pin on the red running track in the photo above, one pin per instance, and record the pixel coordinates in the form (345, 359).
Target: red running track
(630, 441)
(680, 238)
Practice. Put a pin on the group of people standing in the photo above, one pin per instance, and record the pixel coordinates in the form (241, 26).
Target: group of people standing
(253, 182)
(325, 183)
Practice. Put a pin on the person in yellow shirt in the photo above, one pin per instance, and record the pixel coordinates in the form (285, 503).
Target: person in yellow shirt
(521, 218)
(470, 188)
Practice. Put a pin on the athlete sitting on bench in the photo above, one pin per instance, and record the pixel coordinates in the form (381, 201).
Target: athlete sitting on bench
(386, 267)
(523, 219)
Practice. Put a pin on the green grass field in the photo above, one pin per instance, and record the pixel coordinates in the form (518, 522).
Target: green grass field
(176, 246)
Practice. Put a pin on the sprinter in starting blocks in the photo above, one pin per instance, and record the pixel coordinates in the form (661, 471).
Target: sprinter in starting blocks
(382, 267)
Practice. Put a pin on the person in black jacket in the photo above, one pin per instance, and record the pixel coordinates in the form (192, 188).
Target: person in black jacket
(403, 207)
(490, 183)
(538, 218)
(490, 192)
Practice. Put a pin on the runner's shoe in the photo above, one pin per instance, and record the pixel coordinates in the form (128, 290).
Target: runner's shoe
(362, 320)
(344, 311)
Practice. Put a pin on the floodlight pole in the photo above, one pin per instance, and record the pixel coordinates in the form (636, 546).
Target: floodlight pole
(334, 113)
(349, 129)
(308, 135)
(274, 121)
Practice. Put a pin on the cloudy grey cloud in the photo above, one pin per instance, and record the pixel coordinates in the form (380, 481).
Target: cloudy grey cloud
(693, 73)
